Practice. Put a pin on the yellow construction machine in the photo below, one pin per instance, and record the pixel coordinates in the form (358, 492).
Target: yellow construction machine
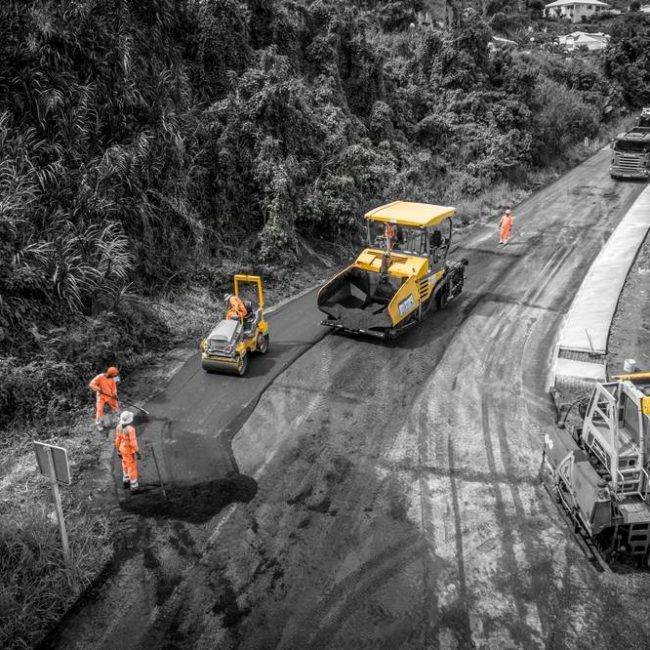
(404, 272)
(230, 342)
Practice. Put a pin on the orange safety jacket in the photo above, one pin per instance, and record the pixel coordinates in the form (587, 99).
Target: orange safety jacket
(107, 386)
(506, 224)
(126, 442)
(236, 308)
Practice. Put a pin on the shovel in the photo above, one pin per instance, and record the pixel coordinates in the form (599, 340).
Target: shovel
(123, 401)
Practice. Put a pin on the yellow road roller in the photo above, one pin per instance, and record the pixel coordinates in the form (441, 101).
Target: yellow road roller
(228, 346)
(403, 273)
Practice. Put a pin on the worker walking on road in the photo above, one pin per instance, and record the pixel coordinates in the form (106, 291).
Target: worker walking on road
(126, 444)
(105, 388)
(505, 226)
(236, 309)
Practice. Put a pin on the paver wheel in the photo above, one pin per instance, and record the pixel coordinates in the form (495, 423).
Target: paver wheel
(441, 299)
(242, 364)
(263, 343)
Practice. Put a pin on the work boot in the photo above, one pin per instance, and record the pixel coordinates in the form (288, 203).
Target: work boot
(135, 488)
(126, 484)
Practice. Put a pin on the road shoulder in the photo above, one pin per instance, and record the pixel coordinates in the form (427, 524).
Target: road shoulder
(581, 348)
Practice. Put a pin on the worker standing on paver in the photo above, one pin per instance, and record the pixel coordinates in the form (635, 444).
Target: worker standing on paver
(390, 233)
(236, 309)
(104, 385)
(505, 226)
(126, 444)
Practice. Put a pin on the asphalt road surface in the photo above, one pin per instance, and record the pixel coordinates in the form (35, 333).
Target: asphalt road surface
(395, 497)
(194, 418)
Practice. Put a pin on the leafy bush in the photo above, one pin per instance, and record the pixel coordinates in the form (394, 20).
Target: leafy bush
(627, 59)
(54, 378)
(560, 120)
(36, 586)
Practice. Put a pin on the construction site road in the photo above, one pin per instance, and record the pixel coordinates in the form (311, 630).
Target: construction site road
(193, 418)
(397, 497)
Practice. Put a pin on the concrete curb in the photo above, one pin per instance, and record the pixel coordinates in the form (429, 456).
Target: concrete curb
(579, 355)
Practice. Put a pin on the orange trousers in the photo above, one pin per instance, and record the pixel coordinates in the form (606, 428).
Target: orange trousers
(130, 469)
(505, 232)
(102, 401)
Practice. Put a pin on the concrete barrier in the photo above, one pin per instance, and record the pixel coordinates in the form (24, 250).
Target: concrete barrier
(580, 352)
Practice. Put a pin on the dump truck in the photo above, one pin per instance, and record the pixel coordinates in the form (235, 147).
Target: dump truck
(598, 468)
(229, 344)
(631, 150)
(403, 273)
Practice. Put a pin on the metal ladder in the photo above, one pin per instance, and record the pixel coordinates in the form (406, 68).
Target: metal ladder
(633, 481)
(638, 539)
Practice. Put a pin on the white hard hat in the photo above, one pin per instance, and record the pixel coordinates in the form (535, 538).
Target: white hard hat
(126, 417)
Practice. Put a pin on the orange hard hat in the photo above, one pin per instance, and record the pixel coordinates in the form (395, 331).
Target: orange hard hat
(112, 372)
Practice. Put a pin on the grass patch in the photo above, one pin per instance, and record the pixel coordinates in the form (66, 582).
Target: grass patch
(36, 587)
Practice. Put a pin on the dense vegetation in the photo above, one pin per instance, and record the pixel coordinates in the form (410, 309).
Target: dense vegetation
(36, 586)
(145, 142)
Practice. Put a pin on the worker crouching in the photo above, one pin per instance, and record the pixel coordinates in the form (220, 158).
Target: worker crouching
(126, 444)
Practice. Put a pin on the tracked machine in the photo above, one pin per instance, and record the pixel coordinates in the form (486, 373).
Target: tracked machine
(403, 273)
(598, 469)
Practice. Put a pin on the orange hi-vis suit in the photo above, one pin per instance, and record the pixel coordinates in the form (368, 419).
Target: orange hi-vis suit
(505, 227)
(236, 308)
(390, 232)
(126, 444)
(105, 386)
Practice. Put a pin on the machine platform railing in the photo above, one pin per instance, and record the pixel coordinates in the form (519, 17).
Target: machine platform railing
(633, 482)
(646, 480)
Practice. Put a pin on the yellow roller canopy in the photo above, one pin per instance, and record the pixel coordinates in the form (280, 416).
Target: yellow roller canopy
(415, 215)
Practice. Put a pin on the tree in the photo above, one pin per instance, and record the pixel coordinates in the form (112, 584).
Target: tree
(627, 59)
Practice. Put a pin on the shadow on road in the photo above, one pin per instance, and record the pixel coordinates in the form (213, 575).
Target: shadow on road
(193, 503)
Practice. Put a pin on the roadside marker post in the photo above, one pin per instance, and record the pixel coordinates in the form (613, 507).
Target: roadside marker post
(53, 463)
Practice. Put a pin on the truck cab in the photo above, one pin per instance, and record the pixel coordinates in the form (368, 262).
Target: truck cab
(631, 151)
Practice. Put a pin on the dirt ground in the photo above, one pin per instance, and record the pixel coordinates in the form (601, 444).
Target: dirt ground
(629, 336)
(397, 500)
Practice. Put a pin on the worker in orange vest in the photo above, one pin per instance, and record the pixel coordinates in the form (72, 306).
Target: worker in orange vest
(126, 444)
(236, 307)
(390, 232)
(105, 387)
(505, 226)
